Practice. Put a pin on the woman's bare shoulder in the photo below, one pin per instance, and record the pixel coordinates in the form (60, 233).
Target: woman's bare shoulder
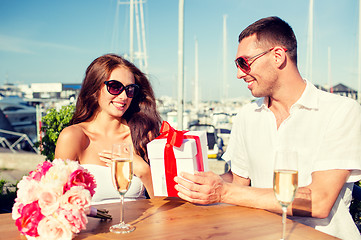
(73, 132)
(70, 143)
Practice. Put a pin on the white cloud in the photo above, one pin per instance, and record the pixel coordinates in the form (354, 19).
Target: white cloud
(12, 44)
(21, 45)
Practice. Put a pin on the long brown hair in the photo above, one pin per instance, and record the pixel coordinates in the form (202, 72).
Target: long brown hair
(142, 117)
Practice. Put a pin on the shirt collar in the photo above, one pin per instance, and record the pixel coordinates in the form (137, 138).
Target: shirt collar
(307, 100)
(262, 103)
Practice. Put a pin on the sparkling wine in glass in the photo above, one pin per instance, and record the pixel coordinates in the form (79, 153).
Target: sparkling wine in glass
(122, 174)
(285, 181)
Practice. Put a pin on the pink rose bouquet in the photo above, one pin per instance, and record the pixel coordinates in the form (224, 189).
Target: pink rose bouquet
(53, 201)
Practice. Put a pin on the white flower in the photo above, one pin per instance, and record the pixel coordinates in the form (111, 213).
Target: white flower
(15, 211)
(56, 178)
(28, 190)
(51, 228)
(72, 165)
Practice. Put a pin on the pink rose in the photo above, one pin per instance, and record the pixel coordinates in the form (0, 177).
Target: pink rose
(76, 219)
(29, 220)
(81, 177)
(48, 202)
(41, 170)
(53, 228)
(76, 198)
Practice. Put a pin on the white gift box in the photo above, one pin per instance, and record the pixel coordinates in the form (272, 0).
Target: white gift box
(186, 159)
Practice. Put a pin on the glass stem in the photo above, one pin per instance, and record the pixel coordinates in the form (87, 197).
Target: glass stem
(284, 214)
(122, 209)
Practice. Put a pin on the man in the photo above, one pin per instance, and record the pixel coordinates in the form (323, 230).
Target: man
(291, 113)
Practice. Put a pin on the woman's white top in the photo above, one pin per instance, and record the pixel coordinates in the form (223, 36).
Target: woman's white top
(105, 191)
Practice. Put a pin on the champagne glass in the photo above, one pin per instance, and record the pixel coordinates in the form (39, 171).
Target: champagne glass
(122, 174)
(285, 181)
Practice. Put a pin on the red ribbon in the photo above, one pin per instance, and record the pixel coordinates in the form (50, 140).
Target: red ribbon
(175, 139)
(200, 163)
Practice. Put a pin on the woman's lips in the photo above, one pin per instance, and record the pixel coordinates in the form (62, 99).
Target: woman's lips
(119, 105)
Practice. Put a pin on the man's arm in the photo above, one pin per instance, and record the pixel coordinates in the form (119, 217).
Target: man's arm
(314, 200)
(228, 176)
(318, 198)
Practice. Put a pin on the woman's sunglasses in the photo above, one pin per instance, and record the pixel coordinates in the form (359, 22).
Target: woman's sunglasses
(115, 87)
(245, 63)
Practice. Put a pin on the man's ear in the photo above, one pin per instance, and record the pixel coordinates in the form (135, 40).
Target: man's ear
(280, 56)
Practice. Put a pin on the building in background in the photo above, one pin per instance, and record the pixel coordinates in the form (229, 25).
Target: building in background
(340, 89)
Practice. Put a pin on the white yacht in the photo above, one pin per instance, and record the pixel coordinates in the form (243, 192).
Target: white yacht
(20, 115)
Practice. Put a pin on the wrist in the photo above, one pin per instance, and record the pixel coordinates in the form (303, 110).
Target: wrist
(225, 193)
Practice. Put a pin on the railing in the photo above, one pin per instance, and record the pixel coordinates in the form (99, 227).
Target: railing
(6, 144)
(22, 138)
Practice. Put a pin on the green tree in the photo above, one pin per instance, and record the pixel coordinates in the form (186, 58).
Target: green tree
(52, 124)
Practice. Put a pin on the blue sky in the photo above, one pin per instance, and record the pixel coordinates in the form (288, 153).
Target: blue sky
(44, 41)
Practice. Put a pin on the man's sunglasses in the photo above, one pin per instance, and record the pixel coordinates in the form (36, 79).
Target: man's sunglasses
(115, 87)
(245, 63)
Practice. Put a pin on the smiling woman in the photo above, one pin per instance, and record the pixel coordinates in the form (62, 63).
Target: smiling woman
(116, 104)
(114, 96)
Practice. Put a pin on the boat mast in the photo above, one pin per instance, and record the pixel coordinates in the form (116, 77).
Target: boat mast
(329, 71)
(359, 56)
(196, 79)
(144, 52)
(310, 43)
(180, 64)
(225, 84)
(131, 27)
(135, 13)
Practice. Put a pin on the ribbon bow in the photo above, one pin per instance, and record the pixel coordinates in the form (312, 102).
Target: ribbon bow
(174, 139)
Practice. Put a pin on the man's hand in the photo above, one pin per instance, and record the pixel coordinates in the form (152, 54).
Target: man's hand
(200, 187)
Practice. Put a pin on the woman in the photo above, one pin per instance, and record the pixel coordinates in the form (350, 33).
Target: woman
(116, 104)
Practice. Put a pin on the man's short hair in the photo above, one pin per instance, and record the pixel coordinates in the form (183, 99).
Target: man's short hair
(271, 32)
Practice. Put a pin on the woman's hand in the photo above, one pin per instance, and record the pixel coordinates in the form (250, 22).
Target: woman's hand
(140, 167)
(106, 157)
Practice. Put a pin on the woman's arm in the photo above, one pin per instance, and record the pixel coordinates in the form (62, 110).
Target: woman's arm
(142, 170)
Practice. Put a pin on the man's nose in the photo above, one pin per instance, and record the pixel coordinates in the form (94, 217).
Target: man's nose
(240, 73)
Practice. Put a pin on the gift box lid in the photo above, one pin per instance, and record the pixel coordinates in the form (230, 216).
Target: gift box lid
(201, 134)
(187, 150)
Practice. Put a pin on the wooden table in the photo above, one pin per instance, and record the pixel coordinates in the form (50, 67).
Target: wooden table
(173, 218)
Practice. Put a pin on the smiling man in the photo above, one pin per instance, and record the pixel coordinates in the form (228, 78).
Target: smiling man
(291, 113)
